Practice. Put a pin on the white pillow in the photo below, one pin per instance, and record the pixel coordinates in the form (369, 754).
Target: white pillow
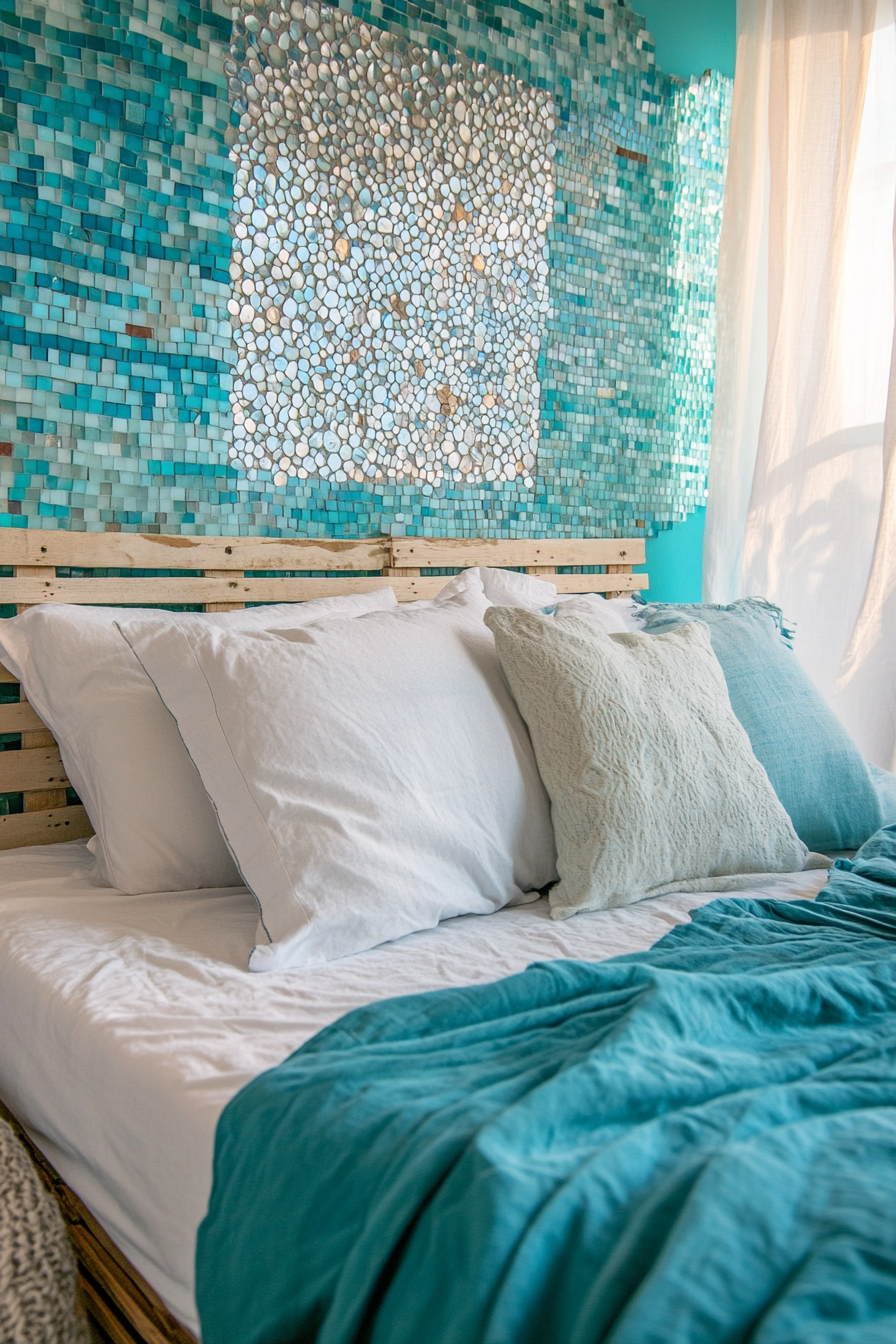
(155, 828)
(372, 776)
(613, 615)
(508, 588)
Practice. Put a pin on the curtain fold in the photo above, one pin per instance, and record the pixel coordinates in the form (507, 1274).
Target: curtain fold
(795, 505)
(865, 692)
(741, 308)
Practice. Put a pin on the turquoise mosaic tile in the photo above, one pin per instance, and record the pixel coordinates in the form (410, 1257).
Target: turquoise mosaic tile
(546, 371)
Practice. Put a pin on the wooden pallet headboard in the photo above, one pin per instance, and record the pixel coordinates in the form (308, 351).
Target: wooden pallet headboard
(222, 574)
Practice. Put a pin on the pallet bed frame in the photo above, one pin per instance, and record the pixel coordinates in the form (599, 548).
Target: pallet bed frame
(222, 574)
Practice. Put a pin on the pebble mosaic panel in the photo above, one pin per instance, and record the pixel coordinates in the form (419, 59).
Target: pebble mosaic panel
(385, 235)
(454, 278)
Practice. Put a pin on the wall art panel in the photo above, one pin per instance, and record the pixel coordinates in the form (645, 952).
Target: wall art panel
(332, 270)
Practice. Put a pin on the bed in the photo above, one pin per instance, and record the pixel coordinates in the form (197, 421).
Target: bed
(120, 1217)
(145, 1069)
(132, 1024)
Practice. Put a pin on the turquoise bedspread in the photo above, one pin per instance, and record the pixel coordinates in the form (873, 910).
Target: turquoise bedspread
(690, 1145)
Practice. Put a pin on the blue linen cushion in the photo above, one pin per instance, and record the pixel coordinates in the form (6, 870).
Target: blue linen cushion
(815, 767)
(885, 783)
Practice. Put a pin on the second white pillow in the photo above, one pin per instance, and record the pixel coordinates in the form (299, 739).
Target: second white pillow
(155, 830)
(372, 776)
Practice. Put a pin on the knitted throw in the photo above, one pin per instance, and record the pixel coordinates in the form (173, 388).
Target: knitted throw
(38, 1299)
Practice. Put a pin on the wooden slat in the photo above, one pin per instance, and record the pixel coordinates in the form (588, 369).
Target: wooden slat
(38, 737)
(221, 606)
(103, 1315)
(44, 800)
(29, 572)
(116, 1294)
(143, 591)
(122, 550)
(436, 553)
(6, 676)
(22, 547)
(408, 590)
(617, 569)
(100, 1269)
(44, 828)
(118, 592)
(599, 583)
(19, 718)
(39, 768)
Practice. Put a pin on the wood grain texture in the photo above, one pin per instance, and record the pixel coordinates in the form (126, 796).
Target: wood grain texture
(599, 583)
(37, 768)
(221, 606)
(29, 572)
(438, 553)
(199, 591)
(238, 591)
(123, 550)
(44, 800)
(38, 737)
(20, 718)
(44, 828)
(115, 1294)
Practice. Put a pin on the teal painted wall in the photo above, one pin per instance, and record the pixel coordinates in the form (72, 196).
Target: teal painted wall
(690, 36)
(675, 561)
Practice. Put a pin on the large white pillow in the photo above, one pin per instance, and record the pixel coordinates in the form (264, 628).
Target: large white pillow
(372, 776)
(155, 828)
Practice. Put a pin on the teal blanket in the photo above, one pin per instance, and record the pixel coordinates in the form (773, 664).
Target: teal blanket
(689, 1145)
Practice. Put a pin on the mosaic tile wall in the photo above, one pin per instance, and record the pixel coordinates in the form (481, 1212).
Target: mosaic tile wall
(455, 276)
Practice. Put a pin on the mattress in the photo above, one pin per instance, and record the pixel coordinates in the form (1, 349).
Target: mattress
(130, 1021)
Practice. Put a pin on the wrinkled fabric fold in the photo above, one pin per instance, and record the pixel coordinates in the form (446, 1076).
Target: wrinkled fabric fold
(695, 1143)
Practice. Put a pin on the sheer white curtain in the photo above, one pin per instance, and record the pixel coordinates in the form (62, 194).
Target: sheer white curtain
(798, 507)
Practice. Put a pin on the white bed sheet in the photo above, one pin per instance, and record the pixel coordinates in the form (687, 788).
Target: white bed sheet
(128, 1023)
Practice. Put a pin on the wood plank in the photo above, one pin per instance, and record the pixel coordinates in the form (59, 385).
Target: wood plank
(29, 572)
(38, 737)
(38, 768)
(44, 800)
(221, 606)
(617, 569)
(103, 1270)
(408, 590)
(438, 553)
(599, 583)
(44, 828)
(6, 676)
(144, 591)
(20, 718)
(201, 591)
(102, 1315)
(122, 550)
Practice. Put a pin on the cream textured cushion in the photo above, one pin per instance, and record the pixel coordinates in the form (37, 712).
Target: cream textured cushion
(653, 784)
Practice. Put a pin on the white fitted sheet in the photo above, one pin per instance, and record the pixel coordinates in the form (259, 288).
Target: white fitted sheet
(128, 1023)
